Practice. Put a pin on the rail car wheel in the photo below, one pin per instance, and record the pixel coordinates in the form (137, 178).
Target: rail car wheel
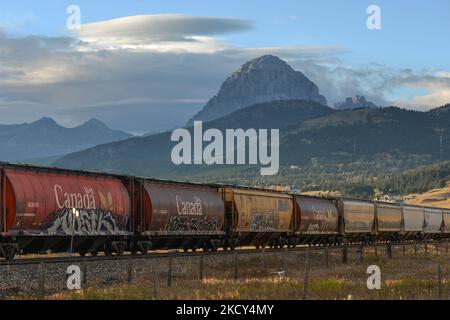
(133, 249)
(144, 246)
(120, 249)
(9, 251)
(82, 253)
(94, 253)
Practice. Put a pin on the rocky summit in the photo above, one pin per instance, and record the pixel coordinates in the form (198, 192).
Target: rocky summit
(265, 79)
(354, 103)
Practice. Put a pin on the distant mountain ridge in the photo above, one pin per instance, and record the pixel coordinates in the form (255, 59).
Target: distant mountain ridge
(267, 93)
(150, 155)
(264, 79)
(354, 103)
(308, 130)
(46, 138)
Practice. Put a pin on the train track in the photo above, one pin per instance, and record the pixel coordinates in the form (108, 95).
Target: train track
(178, 254)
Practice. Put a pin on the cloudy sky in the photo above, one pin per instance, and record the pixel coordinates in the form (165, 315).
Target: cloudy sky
(145, 66)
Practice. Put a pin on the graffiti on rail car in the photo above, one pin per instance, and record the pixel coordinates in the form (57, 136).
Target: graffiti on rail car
(320, 220)
(89, 222)
(264, 221)
(198, 224)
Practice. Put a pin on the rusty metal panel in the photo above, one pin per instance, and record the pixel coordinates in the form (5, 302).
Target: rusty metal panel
(183, 209)
(316, 216)
(359, 216)
(9, 206)
(43, 203)
(259, 211)
(2, 202)
(446, 218)
(413, 219)
(433, 220)
(389, 217)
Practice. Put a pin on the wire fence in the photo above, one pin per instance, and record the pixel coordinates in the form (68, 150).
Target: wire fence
(408, 271)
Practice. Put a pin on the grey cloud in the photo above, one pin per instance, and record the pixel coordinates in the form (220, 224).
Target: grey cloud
(34, 45)
(168, 27)
(144, 91)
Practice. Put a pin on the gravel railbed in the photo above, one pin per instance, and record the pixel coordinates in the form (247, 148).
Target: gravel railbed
(21, 280)
(17, 280)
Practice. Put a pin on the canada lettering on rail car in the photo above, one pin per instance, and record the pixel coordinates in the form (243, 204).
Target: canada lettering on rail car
(192, 208)
(74, 200)
(235, 147)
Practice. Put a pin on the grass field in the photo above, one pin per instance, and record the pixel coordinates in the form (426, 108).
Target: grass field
(439, 198)
(410, 276)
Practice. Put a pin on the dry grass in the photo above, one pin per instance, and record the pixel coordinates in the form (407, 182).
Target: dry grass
(403, 277)
(439, 198)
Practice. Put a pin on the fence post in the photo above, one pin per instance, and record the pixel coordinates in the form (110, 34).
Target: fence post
(41, 289)
(426, 246)
(439, 282)
(327, 255)
(361, 253)
(130, 270)
(286, 255)
(446, 246)
(389, 250)
(154, 282)
(305, 280)
(436, 242)
(344, 253)
(235, 265)
(376, 250)
(169, 273)
(264, 262)
(7, 269)
(85, 275)
(201, 267)
(404, 248)
(415, 246)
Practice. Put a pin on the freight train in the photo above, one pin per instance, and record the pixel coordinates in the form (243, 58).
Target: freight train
(45, 210)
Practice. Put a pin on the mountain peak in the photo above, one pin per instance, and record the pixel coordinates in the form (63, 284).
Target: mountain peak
(267, 62)
(94, 123)
(46, 122)
(354, 103)
(264, 79)
(46, 138)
